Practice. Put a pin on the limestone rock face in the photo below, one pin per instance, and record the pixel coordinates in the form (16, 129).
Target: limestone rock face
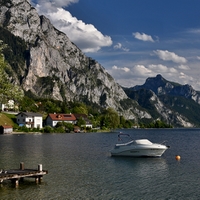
(57, 68)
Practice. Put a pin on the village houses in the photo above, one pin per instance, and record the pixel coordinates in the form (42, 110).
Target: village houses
(53, 119)
(30, 119)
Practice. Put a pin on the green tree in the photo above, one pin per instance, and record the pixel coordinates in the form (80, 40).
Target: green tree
(81, 122)
(8, 91)
(110, 119)
(128, 124)
(122, 121)
(80, 108)
(28, 104)
(48, 129)
(65, 126)
(51, 107)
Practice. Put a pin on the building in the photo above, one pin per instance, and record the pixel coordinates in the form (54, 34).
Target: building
(10, 105)
(53, 119)
(85, 118)
(6, 129)
(30, 119)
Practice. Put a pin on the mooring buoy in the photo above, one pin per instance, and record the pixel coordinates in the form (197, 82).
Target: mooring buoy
(178, 157)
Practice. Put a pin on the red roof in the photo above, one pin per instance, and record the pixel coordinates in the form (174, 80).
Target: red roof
(62, 117)
(6, 126)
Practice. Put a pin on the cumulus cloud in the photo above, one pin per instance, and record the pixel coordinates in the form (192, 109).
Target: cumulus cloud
(119, 46)
(124, 69)
(184, 67)
(170, 56)
(52, 4)
(158, 68)
(137, 74)
(143, 37)
(85, 36)
(141, 70)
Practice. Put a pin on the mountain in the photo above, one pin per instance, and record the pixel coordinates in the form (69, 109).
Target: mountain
(45, 63)
(176, 104)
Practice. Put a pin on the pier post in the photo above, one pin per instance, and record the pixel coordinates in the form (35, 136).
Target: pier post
(37, 179)
(16, 182)
(40, 179)
(21, 166)
(40, 167)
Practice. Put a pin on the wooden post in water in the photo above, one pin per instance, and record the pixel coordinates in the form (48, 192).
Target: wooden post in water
(40, 167)
(16, 182)
(21, 166)
(39, 178)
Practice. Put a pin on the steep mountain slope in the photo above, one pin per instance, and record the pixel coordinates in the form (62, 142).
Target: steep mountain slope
(171, 102)
(45, 63)
(56, 68)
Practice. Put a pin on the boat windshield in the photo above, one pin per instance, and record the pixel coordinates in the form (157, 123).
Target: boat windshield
(143, 141)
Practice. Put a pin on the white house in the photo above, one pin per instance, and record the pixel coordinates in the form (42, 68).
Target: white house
(53, 119)
(8, 106)
(29, 119)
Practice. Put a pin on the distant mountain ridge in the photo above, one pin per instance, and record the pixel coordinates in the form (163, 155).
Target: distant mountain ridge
(161, 86)
(171, 102)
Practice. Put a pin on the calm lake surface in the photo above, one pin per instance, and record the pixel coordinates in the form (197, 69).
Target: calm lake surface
(80, 166)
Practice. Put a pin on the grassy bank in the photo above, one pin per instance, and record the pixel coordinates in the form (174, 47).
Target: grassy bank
(7, 119)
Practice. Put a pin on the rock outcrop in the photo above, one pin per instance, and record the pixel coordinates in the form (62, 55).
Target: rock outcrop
(57, 68)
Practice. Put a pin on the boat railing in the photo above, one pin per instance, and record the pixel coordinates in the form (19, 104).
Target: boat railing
(165, 143)
(124, 144)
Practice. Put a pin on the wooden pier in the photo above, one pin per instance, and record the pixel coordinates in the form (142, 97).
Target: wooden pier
(15, 175)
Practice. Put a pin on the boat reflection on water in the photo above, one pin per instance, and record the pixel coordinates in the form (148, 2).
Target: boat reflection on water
(142, 169)
(138, 148)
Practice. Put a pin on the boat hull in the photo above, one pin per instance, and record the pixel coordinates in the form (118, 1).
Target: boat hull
(153, 150)
(139, 152)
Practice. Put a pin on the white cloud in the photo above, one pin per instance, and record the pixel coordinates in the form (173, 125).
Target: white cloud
(137, 74)
(141, 70)
(143, 37)
(184, 67)
(85, 36)
(198, 57)
(170, 56)
(158, 68)
(193, 31)
(52, 4)
(123, 69)
(129, 75)
(119, 46)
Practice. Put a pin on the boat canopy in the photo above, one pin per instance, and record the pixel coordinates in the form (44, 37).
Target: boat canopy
(143, 141)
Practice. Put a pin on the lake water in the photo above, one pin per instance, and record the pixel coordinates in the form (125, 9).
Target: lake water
(81, 168)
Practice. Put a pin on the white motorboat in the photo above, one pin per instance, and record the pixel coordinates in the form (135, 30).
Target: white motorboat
(138, 148)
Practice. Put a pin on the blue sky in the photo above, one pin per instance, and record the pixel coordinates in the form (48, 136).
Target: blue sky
(133, 39)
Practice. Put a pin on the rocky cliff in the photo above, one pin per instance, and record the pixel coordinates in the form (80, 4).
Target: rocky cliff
(56, 68)
(168, 101)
